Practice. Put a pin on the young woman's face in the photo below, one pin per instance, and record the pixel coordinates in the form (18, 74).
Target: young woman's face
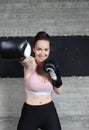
(41, 50)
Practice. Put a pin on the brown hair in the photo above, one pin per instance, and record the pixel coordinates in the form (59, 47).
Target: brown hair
(42, 35)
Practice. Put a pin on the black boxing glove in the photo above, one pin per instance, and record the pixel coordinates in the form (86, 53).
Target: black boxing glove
(15, 50)
(53, 69)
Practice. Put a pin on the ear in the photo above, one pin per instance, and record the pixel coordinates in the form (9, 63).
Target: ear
(33, 49)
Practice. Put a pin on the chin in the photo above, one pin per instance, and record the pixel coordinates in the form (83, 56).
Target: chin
(40, 61)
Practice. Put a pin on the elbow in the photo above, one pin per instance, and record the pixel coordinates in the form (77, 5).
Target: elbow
(58, 90)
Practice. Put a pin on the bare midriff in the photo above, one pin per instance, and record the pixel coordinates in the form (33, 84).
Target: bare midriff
(33, 99)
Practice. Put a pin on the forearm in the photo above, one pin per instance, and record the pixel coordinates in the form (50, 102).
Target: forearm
(27, 62)
(58, 90)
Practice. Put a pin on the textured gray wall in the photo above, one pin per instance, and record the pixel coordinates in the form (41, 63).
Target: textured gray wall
(72, 105)
(59, 17)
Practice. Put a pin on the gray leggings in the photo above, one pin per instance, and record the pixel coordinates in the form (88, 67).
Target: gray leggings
(44, 117)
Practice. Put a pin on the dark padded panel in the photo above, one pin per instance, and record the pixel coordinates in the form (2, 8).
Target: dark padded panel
(70, 52)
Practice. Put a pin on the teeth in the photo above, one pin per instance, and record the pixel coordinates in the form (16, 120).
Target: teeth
(41, 57)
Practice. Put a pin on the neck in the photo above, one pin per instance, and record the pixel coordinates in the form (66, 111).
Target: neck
(40, 69)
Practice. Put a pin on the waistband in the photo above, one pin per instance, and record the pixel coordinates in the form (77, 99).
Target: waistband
(38, 109)
(51, 103)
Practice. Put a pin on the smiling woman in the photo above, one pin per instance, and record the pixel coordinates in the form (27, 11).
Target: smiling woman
(39, 85)
(41, 46)
(41, 50)
(41, 77)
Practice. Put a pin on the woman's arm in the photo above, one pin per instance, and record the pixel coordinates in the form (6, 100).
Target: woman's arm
(27, 62)
(29, 66)
(58, 90)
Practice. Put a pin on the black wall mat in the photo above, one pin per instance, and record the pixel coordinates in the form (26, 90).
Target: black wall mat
(70, 52)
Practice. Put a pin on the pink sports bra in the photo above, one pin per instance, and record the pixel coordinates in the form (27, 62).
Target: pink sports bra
(35, 86)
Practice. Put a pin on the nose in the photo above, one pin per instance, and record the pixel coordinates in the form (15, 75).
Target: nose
(42, 52)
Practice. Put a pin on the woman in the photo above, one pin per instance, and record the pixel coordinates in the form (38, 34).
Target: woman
(39, 110)
(41, 77)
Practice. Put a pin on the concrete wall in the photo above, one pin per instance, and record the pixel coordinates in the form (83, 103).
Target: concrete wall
(72, 105)
(57, 17)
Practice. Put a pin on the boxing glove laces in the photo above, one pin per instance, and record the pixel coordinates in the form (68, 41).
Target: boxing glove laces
(15, 50)
(50, 67)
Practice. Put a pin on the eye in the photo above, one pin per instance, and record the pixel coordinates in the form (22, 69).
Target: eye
(38, 49)
(46, 49)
